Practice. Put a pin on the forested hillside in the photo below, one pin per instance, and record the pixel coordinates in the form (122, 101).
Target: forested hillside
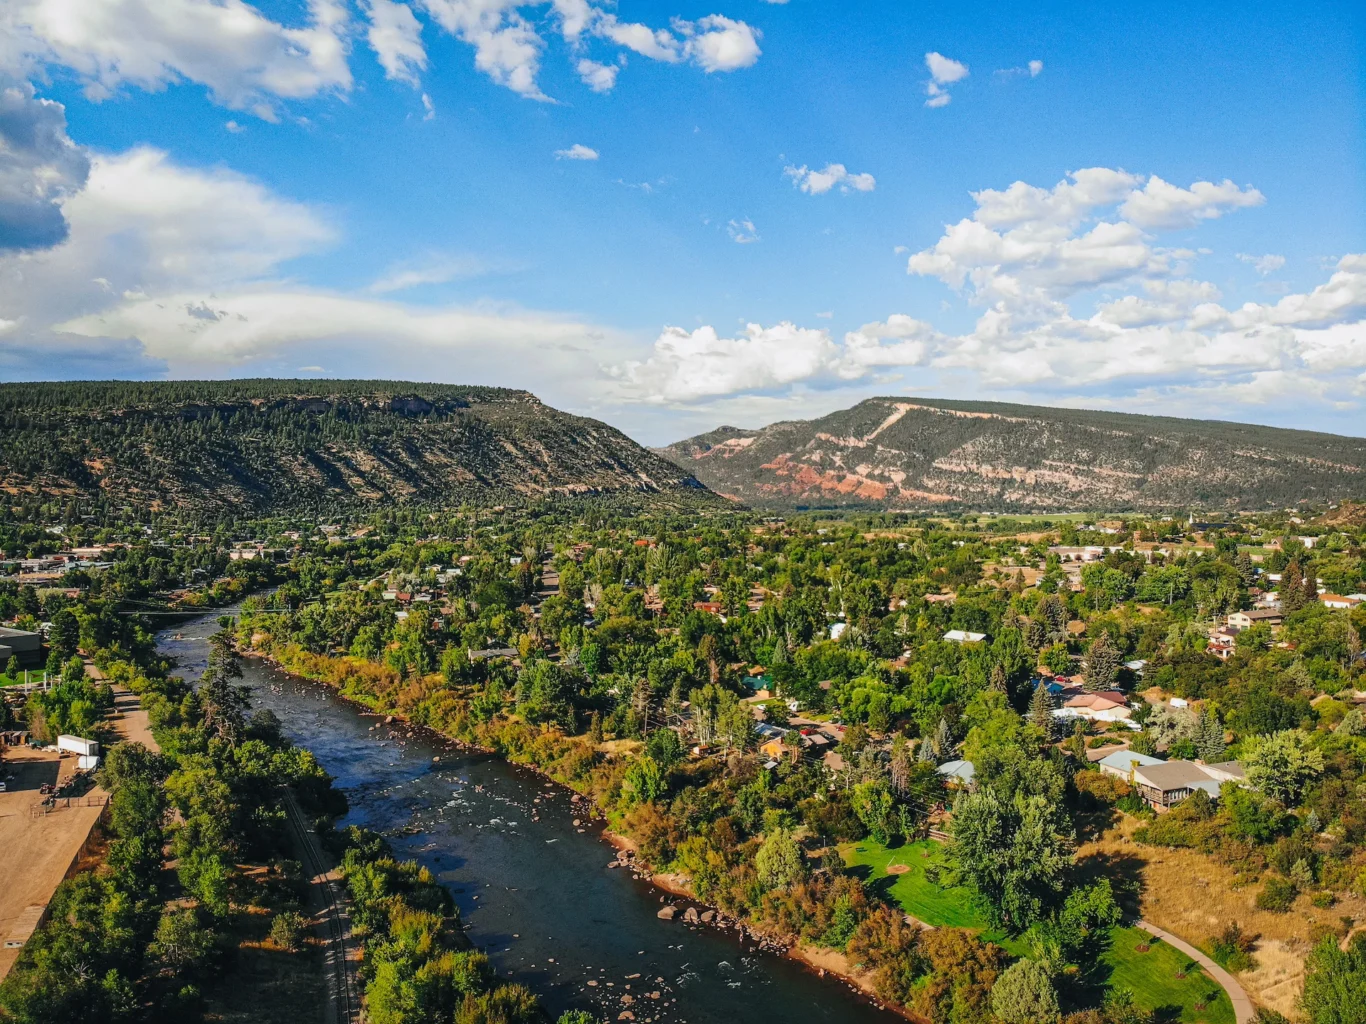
(924, 453)
(251, 446)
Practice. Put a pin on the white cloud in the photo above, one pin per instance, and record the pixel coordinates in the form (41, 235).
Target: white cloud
(743, 231)
(1161, 206)
(943, 70)
(686, 366)
(234, 127)
(598, 77)
(246, 60)
(578, 151)
(659, 45)
(1035, 68)
(507, 47)
(428, 108)
(39, 167)
(818, 182)
(943, 73)
(1081, 306)
(396, 37)
(170, 269)
(717, 43)
(1267, 264)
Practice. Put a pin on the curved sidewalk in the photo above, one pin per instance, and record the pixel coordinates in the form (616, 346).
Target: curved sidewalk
(1242, 1005)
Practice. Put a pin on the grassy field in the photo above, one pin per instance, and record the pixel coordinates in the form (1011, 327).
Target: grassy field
(1150, 976)
(915, 893)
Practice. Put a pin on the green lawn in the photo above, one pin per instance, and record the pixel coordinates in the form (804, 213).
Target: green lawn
(1150, 976)
(916, 894)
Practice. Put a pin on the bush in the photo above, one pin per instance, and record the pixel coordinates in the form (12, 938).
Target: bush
(287, 930)
(1278, 895)
(1232, 949)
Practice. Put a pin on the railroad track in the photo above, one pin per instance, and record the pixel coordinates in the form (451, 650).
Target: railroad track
(336, 923)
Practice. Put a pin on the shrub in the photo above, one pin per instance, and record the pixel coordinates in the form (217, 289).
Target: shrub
(1232, 949)
(287, 930)
(1278, 895)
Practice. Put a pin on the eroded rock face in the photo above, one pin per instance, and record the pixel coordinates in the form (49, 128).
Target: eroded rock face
(926, 453)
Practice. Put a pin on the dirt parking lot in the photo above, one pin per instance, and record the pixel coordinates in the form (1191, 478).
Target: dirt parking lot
(36, 852)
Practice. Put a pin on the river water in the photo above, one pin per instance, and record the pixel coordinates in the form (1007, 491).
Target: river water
(534, 891)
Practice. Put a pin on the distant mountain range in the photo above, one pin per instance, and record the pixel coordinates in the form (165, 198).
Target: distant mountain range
(915, 453)
(260, 446)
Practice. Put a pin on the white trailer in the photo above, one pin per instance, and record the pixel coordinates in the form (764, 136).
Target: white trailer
(77, 745)
(88, 762)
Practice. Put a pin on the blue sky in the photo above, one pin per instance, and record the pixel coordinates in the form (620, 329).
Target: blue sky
(370, 188)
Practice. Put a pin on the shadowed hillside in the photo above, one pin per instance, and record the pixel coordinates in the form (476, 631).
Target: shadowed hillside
(251, 446)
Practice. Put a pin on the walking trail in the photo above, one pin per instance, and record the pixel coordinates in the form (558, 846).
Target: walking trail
(1242, 1005)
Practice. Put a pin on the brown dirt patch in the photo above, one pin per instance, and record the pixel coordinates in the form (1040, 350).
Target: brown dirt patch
(898, 869)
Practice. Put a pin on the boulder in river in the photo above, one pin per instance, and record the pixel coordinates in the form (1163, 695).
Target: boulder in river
(667, 913)
(690, 915)
(707, 916)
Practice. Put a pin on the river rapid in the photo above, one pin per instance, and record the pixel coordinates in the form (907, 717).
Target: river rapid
(533, 889)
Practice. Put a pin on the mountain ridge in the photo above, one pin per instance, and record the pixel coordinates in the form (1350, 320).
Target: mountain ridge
(268, 445)
(907, 452)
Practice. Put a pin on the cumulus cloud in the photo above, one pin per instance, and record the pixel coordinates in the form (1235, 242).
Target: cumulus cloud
(245, 59)
(743, 231)
(685, 366)
(943, 72)
(1079, 298)
(396, 37)
(249, 61)
(1035, 68)
(578, 151)
(818, 182)
(717, 43)
(39, 167)
(598, 77)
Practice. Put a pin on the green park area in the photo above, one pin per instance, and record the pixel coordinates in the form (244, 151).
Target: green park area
(1161, 978)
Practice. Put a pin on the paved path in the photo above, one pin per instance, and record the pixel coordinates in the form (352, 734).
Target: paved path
(334, 924)
(1242, 1005)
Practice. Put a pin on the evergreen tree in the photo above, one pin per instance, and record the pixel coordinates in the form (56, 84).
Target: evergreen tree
(1209, 736)
(1310, 587)
(943, 739)
(1102, 664)
(1246, 571)
(1292, 588)
(1041, 709)
(926, 751)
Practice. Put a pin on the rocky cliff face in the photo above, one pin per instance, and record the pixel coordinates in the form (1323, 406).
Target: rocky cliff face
(244, 447)
(924, 453)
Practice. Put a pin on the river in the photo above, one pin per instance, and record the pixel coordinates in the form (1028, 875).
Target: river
(533, 889)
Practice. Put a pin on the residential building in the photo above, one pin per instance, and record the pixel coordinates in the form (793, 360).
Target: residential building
(1258, 617)
(1167, 784)
(958, 774)
(964, 636)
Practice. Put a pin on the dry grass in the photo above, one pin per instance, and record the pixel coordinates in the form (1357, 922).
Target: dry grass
(1191, 895)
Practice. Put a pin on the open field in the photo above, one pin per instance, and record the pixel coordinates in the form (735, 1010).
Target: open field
(1151, 976)
(1190, 895)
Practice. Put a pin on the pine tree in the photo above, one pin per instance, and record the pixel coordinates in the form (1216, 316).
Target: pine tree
(1311, 590)
(943, 739)
(1246, 571)
(1292, 588)
(1209, 736)
(1102, 664)
(1041, 709)
(926, 751)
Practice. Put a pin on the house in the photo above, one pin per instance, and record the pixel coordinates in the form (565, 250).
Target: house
(837, 629)
(710, 607)
(1109, 706)
(1167, 784)
(760, 686)
(1222, 642)
(1122, 763)
(963, 636)
(1338, 601)
(958, 774)
(1246, 620)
